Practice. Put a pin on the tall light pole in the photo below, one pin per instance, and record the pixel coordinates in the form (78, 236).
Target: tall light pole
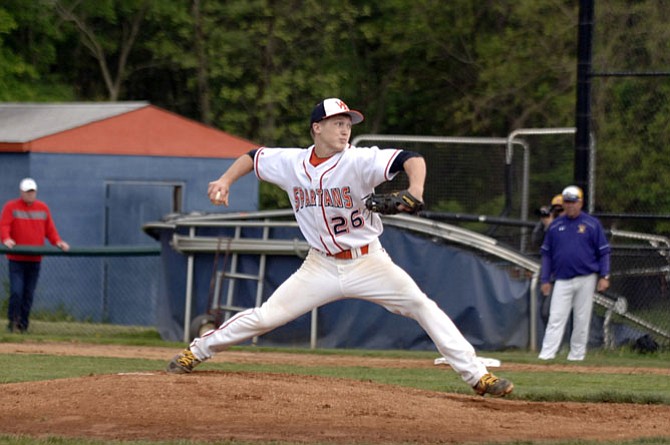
(583, 108)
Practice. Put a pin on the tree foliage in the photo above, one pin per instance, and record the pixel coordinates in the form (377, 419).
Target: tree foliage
(28, 54)
(255, 68)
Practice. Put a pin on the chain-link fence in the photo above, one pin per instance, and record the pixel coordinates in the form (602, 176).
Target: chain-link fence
(472, 183)
(640, 271)
(106, 291)
(630, 105)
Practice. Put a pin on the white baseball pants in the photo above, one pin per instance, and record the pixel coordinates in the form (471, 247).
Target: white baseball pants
(576, 295)
(322, 279)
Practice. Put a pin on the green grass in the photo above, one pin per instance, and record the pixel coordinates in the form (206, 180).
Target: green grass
(92, 332)
(35, 367)
(549, 385)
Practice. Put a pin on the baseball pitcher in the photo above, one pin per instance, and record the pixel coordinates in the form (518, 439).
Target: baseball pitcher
(331, 188)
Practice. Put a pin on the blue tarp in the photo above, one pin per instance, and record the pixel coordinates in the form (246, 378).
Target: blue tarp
(486, 303)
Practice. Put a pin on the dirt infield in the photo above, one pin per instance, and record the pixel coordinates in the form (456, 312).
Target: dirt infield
(213, 405)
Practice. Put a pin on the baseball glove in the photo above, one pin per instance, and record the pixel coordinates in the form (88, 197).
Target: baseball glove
(389, 204)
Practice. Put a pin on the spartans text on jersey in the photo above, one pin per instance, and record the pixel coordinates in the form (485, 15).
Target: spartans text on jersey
(338, 197)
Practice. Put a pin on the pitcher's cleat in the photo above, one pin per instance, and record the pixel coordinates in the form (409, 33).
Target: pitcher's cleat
(495, 386)
(182, 363)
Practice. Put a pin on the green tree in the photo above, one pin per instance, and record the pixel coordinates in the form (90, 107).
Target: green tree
(108, 29)
(255, 68)
(527, 67)
(28, 40)
(273, 61)
(630, 113)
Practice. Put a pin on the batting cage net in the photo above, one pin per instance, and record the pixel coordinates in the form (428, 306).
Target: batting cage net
(494, 186)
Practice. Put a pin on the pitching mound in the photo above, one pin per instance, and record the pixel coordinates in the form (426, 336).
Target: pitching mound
(212, 405)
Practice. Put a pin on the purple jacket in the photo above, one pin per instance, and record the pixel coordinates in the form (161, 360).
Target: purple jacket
(574, 247)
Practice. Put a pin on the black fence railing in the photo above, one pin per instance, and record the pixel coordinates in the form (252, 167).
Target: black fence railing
(90, 291)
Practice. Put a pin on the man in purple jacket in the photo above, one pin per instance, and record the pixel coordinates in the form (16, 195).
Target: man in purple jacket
(576, 257)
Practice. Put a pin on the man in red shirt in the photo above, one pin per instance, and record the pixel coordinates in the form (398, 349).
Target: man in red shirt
(25, 221)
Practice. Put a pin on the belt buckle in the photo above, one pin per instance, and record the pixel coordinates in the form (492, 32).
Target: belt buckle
(353, 253)
(344, 255)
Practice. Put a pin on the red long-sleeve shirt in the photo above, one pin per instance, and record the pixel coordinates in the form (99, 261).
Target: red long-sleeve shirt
(27, 225)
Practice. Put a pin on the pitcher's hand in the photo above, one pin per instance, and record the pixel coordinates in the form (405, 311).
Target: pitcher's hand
(218, 192)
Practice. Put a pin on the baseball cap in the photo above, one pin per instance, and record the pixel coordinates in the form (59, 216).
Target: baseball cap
(572, 193)
(28, 184)
(332, 107)
(557, 201)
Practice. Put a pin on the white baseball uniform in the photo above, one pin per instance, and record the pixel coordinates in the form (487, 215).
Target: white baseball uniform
(329, 204)
(570, 295)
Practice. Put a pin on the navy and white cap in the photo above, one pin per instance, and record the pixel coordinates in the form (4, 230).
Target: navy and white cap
(332, 107)
(572, 193)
